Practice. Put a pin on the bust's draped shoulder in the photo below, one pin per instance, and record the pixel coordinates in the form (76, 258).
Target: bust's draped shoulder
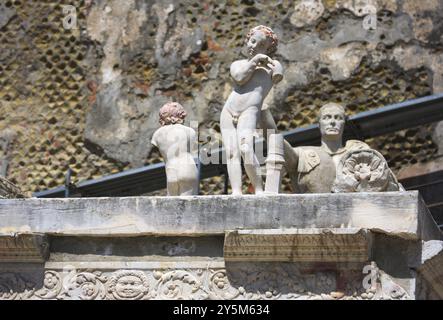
(308, 159)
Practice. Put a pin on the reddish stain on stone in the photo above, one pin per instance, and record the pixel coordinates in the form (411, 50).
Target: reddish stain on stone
(144, 87)
(187, 72)
(93, 87)
(213, 46)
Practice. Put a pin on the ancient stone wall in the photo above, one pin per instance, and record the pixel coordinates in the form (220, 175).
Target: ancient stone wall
(87, 98)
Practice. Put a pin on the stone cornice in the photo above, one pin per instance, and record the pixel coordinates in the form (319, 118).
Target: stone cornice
(396, 213)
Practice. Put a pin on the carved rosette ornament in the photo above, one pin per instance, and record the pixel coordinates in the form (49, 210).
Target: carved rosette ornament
(364, 170)
(220, 287)
(87, 286)
(52, 286)
(178, 285)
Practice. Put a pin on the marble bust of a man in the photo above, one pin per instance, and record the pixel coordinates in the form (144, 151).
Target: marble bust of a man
(337, 167)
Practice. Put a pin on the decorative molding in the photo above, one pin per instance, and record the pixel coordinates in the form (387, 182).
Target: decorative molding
(24, 248)
(298, 245)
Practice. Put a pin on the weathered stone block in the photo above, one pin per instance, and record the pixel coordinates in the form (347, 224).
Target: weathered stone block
(398, 213)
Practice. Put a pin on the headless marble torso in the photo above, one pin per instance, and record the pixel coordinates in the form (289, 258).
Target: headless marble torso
(175, 143)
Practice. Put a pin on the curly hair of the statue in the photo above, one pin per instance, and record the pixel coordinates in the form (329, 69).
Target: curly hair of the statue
(172, 113)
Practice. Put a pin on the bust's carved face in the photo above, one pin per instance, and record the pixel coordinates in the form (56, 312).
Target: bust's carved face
(332, 122)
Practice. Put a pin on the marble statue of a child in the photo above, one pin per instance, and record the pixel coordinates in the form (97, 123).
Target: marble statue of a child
(177, 143)
(253, 79)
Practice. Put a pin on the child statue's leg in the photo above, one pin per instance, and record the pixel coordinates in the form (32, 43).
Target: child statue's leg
(188, 188)
(188, 185)
(247, 128)
(233, 157)
(172, 185)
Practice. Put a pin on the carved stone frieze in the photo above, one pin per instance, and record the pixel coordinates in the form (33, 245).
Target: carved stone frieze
(236, 281)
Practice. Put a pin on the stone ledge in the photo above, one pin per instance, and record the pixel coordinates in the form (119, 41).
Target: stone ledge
(395, 213)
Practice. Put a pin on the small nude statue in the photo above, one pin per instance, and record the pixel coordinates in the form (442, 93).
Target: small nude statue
(253, 79)
(176, 143)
